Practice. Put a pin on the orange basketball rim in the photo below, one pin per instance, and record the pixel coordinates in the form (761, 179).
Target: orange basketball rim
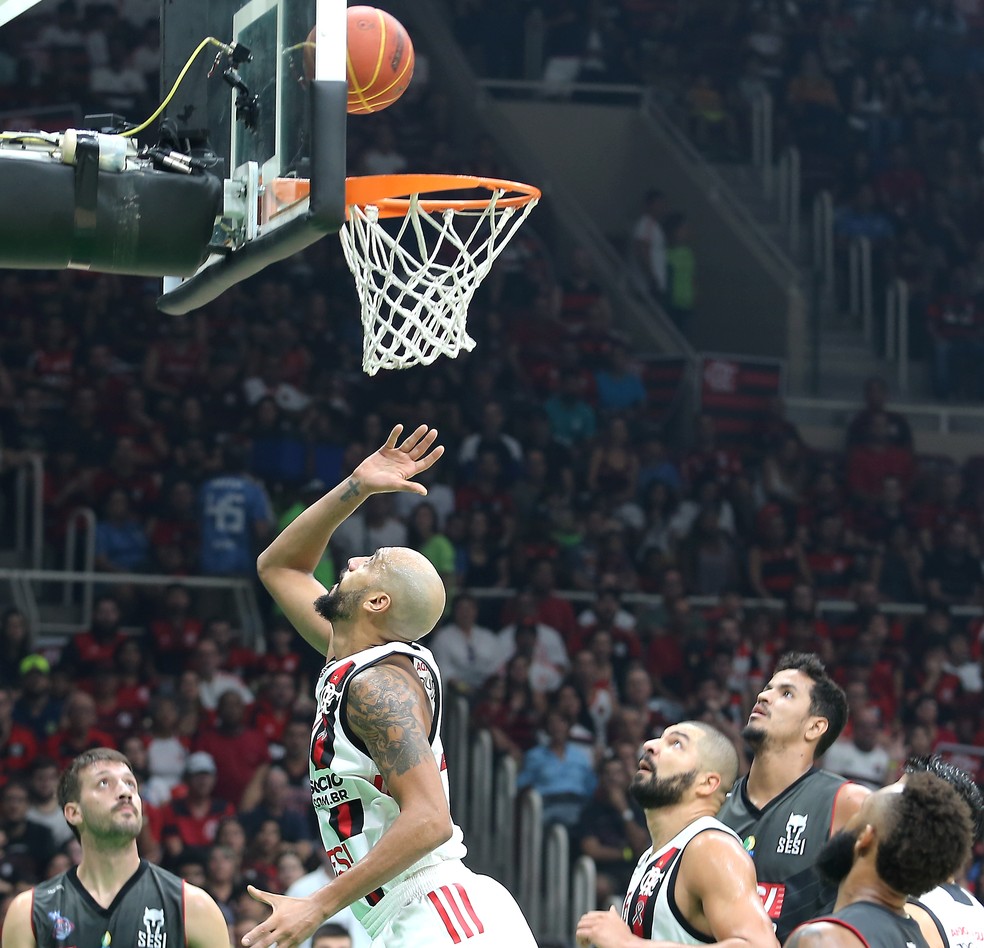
(392, 194)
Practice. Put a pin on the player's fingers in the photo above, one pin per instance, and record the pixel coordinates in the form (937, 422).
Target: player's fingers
(411, 439)
(393, 436)
(424, 444)
(428, 460)
(260, 895)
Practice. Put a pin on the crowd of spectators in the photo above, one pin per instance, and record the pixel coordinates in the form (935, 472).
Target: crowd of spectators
(628, 569)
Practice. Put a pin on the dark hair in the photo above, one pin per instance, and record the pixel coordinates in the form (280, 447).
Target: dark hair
(959, 779)
(928, 838)
(331, 930)
(827, 698)
(70, 783)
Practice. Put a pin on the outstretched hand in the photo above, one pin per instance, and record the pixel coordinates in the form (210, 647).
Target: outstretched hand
(602, 930)
(292, 921)
(392, 466)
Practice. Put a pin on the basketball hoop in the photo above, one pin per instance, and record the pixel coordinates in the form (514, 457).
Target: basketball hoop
(416, 279)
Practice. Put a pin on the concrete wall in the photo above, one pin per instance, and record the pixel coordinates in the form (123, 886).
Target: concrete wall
(610, 155)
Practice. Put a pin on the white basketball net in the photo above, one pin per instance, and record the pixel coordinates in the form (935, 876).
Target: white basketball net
(415, 284)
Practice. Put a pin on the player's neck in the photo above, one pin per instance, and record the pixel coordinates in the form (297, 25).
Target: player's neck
(105, 869)
(863, 885)
(666, 822)
(774, 769)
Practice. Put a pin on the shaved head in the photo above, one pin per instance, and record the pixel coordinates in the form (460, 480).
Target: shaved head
(416, 592)
(717, 754)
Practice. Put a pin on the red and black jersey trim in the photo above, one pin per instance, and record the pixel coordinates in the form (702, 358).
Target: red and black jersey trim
(348, 819)
(323, 739)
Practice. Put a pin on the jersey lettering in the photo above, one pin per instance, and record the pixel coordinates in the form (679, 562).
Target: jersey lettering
(772, 897)
(794, 842)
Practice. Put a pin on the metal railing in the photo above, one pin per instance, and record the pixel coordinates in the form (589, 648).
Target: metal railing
(481, 836)
(22, 582)
(823, 241)
(556, 892)
(789, 182)
(88, 518)
(584, 887)
(860, 290)
(504, 815)
(529, 888)
(762, 139)
(897, 330)
(29, 516)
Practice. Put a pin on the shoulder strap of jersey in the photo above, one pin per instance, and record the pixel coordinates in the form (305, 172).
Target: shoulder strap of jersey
(841, 923)
(939, 925)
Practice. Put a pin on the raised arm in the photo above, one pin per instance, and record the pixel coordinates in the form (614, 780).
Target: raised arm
(286, 566)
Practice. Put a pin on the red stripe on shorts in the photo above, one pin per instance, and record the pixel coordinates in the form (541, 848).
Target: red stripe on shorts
(457, 911)
(468, 907)
(436, 902)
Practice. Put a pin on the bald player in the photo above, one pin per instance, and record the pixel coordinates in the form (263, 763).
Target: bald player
(696, 884)
(378, 779)
(906, 838)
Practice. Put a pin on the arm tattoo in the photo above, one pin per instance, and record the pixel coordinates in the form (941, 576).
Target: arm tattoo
(351, 489)
(383, 710)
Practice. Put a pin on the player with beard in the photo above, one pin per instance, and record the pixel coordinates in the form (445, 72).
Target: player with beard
(785, 809)
(905, 839)
(695, 885)
(949, 916)
(379, 782)
(113, 897)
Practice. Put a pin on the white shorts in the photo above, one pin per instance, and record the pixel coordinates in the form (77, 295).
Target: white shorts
(449, 906)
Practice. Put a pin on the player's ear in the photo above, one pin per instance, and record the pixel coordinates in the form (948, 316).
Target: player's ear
(816, 728)
(710, 783)
(73, 814)
(866, 839)
(377, 603)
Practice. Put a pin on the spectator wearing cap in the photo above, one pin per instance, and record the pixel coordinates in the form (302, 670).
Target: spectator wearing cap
(78, 731)
(37, 709)
(191, 820)
(237, 748)
(18, 745)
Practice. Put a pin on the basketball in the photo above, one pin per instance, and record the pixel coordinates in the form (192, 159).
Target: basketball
(380, 60)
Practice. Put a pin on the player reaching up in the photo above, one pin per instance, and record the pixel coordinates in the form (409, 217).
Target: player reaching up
(378, 778)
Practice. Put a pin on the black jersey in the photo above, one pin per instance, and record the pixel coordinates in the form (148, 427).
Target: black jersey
(148, 912)
(878, 927)
(783, 839)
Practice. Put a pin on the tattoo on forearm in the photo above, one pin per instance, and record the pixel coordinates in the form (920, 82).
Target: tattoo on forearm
(383, 708)
(351, 489)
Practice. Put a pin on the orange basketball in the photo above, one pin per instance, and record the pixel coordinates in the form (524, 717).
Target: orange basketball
(380, 60)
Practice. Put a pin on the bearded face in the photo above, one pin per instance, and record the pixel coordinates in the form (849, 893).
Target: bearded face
(836, 859)
(652, 792)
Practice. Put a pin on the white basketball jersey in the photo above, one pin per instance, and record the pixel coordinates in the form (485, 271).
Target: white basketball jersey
(958, 915)
(650, 909)
(349, 795)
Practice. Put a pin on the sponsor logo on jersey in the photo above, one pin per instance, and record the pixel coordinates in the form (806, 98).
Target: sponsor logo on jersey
(749, 844)
(61, 927)
(153, 934)
(794, 842)
(772, 896)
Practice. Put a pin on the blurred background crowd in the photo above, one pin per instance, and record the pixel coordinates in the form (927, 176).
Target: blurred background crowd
(608, 571)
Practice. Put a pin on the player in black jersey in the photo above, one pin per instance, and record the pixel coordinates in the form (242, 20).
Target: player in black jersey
(905, 839)
(949, 916)
(786, 809)
(113, 897)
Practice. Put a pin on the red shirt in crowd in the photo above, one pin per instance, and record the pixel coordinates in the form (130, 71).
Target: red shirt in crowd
(867, 468)
(237, 756)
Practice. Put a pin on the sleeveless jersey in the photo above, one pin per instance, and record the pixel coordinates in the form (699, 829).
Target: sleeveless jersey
(650, 908)
(350, 798)
(877, 926)
(148, 912)
(959, 917)
(783, 839)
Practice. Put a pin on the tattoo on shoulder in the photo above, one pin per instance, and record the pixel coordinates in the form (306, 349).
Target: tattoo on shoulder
(383, 709)
(351, 489)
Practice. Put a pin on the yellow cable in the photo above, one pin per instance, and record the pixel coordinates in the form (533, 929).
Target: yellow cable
(177, 82)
